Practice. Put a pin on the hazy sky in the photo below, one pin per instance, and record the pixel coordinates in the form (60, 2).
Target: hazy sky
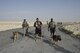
(59, 10)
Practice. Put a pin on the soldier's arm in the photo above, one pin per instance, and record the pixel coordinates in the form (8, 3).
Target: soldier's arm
(28, 25)
(48, 26)
(22, 25)
(41, 23)
(34, 24)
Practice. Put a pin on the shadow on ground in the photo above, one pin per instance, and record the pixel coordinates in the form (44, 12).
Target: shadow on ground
(57, 47)
(47, 41)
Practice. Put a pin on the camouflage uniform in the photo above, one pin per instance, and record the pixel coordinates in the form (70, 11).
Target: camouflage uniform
(52, 27)
(25, 27)
(38, 25)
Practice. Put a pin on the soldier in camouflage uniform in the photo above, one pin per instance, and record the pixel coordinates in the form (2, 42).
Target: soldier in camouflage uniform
(25, 27)
(38, 26)
(51, 27)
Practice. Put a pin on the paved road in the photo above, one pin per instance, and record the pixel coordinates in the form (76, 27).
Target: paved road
(28, 45)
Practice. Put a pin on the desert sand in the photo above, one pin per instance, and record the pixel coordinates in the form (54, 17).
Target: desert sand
(75, 28)
(7, 25)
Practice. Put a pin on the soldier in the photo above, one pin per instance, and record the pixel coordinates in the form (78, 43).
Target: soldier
(51, 27)
(25, 27)
(38, 26)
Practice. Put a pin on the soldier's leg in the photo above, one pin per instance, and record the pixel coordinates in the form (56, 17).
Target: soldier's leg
(51, 32)
(24, 31)
(40, 33)
(35, 37)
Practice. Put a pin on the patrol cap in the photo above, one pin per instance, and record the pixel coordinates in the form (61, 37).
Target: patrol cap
(37, 18)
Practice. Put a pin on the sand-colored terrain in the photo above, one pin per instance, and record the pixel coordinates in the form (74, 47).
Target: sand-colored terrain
(75, 28)
(9, 25)
(6, 25)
